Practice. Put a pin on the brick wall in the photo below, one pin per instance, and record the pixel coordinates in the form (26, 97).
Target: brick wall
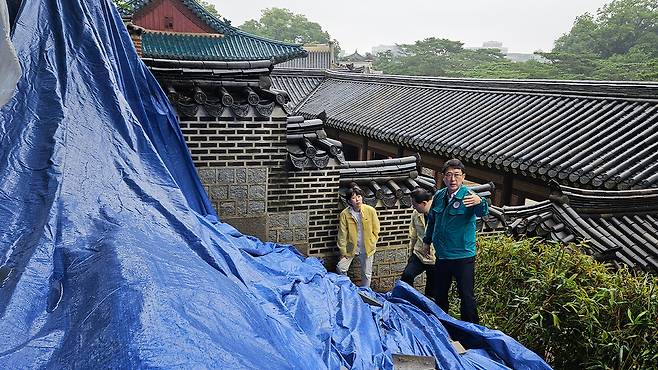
(313, 193)
(242, 164)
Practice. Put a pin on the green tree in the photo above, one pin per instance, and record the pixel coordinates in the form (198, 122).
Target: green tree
(619, 43)
(435, 57)
(283, 25)
(618, 28)
(122, 4)
(210, 8)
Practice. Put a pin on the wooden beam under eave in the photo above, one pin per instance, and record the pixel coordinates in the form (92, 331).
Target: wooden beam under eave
(383, 148)
(530, 189)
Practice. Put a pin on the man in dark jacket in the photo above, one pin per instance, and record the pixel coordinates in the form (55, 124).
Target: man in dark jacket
(451, 228)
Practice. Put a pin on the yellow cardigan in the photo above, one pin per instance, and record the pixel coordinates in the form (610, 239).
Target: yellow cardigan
(347, 233)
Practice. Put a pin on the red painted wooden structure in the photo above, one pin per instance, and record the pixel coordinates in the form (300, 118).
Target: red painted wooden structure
(170, 15)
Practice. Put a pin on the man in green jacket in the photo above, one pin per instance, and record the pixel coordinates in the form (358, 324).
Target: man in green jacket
(451, 228)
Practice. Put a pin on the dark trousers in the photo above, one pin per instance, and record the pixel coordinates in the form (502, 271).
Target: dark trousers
(416, 267)
(463, 271)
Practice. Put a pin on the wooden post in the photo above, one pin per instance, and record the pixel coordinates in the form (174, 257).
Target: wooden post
(507, 190)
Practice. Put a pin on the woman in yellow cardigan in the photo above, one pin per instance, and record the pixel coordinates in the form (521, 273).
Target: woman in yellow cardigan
(358, 232)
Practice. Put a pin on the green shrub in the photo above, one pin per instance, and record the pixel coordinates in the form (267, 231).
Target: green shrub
(571, 310)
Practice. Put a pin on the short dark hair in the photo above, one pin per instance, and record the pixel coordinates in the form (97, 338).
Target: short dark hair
(453, 163)
(352, 192)
(420, 195)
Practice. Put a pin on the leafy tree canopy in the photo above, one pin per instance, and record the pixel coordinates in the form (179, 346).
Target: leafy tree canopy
(210, 8)
(283, 25)
(435, 57)
(621, 27)
(620, 43)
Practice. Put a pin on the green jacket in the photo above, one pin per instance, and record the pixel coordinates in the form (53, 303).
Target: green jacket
(416, 234)
(451, 226)
(347, 233)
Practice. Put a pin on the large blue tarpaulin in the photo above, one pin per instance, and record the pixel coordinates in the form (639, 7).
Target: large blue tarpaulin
(112, 257)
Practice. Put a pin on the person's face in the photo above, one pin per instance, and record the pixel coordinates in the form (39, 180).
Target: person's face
(356, 201)
(453, 179)
(422, 207)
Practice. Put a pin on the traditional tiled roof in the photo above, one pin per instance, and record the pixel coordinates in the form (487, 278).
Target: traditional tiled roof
(298, 83)
(617, 226)
(228, 44)
(241, 88)
(593, 134)
(237, 46)
(355, 57)
(309, 146)
(387, 180)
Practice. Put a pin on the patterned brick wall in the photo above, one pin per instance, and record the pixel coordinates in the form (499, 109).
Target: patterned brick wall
(315, 194)
(242, 164)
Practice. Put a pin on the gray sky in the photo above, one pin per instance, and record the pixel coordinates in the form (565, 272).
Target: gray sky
(521, 25)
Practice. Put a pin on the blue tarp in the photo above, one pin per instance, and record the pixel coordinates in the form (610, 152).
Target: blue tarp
(112, 257)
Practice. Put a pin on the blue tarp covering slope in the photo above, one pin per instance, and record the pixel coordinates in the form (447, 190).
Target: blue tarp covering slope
(111, 256)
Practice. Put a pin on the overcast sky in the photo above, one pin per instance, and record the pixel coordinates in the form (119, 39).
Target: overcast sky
(521, 25)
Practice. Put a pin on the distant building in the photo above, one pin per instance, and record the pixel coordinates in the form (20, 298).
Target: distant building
(494, 45)
(524, 57)
(320, 56)
(514, 57)
(359, 63)
(394, 49)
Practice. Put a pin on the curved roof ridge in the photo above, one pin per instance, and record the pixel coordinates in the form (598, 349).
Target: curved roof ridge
(578, 192)
(616, 89)
(605, 202)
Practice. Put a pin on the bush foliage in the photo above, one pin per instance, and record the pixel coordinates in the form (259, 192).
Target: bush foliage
(571, 310)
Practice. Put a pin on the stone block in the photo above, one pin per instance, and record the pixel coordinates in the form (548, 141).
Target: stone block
(285, 236)
(238, 192)
(207, 175)
(256, 206)
(300, 234)
(241, 208)
(241, 175)
(257, 175)
(387, 256)
(397, 268)
(386, 284)
(384, 270)
(419, 280)
(298, 219)
(226, 175)
(278, 221)
(226, 208)
(257, 192)
(375, 285)
(218, 192)
(399, 255)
